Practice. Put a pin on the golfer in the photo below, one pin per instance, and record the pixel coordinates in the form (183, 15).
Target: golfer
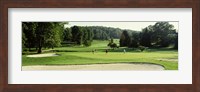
(124, 51)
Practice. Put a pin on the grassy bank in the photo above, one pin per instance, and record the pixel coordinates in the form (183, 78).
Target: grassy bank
(83, 55)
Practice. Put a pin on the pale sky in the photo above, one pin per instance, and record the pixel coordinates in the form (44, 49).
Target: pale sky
(137, 26)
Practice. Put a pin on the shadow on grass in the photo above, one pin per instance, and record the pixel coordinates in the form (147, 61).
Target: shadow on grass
(121, 49)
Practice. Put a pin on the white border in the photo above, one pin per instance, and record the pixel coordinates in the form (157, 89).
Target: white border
(182, 76)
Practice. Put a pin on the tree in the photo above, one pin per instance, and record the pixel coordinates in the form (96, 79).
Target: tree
(111, 44)
(77, 35)
(134, 43)
(145, 37)
(43, 29)
(42, 34)
(162, 32)
(105, 33)
(53, 36)
(90, 34)
(23, 39)
(111, 41)
(85, 36)
(124, 39)
(75, 30)
(67, 35)
(80, 37)
(176, 42)
(28, 34)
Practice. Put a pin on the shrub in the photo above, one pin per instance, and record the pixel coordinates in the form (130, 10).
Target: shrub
(87, 43)
(142, 48)
(112, 45)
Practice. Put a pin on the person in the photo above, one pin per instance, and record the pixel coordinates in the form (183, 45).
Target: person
(124, 51)
(106, 51)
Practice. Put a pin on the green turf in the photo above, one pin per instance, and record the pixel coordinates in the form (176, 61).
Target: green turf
(83, 55)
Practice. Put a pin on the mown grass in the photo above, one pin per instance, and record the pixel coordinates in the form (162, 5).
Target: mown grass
(83, 55)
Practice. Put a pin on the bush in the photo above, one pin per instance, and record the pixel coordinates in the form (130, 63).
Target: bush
(112, 45)
(109, 44)
(142, 48)
(87, 43)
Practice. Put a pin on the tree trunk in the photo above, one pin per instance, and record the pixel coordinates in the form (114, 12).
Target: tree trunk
(40, 47)
(29, 47)
(40, 50)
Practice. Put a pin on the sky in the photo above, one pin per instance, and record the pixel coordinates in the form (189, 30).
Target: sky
(137, 26)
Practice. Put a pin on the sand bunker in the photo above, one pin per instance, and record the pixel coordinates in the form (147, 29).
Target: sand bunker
(118, 66)
(43, 55)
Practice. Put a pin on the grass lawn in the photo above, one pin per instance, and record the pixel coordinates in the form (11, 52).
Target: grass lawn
(83, 55)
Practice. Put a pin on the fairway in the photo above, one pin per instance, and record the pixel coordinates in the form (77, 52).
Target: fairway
(80, 55)
(99, 45)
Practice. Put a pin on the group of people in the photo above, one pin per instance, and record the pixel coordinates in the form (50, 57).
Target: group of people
(94, 50)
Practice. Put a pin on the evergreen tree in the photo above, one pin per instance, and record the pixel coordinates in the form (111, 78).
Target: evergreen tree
(145, 37)
(125, 39)
(77, 35)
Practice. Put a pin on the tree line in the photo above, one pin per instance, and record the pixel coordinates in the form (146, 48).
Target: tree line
(40, 35)
(83, 35)
(161, 34)
(95, 32)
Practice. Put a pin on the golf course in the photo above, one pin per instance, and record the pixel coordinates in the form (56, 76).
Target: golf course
(80, 55)
(58, 46)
